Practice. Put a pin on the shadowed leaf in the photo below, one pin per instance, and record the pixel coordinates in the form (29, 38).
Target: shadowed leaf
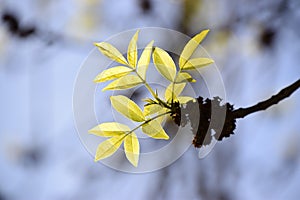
(185, 99)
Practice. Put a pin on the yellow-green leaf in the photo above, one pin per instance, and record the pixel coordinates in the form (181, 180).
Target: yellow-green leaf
(127, 107)
(178, 88)
(144, 60)
(185, 99)
(184, 77)
(197, 63)
(109, 129)
(154, 129)
(164, 63)
(132, 148)
(190, 47)
(109, 147)
(112, 73)
(152, 109)
(125, 82)
(132, 53)
(162, 118)
(111, 52)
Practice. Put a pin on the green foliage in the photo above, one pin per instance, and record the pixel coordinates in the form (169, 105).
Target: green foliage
(131, 73)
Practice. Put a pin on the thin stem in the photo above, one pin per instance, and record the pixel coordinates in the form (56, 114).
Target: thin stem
(173, 84)
(151, 91)
(284, 93)
(147, 121)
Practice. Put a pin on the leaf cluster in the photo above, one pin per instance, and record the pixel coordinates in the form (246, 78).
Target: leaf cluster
(131, 72)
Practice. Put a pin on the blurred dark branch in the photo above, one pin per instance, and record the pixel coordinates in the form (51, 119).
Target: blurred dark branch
(145, 5)
(275, 99)
(12, 23)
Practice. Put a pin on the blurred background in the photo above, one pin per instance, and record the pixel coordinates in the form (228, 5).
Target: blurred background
(256, 45)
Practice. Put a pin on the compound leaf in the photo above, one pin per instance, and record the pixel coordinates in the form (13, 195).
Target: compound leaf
(132, 53)
(112, 73)
(164, 64)
(154, 129)
(125, 82)
(127, 107)
(132, 148)
(144, 60)
(109, 129)
(111, 52)
(190, 47)
(109, 147)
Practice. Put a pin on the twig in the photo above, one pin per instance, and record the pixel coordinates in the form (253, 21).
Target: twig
(201, 113)
(284, 93)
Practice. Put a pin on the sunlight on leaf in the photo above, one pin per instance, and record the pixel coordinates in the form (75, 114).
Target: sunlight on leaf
(112, 73)
(132, 148)
(164, 64)
(109, 147)
(184, 77)
(109, 129)
(125, 82)
(156, 110)
(144, 60)
(111, 52)
(190, 47)
(178, 88)
(127, 107)
(197, 63)
(154, 129)
(132, 53)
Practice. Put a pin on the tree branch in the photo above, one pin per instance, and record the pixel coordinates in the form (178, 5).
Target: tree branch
(199, 114)
(284, 93)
